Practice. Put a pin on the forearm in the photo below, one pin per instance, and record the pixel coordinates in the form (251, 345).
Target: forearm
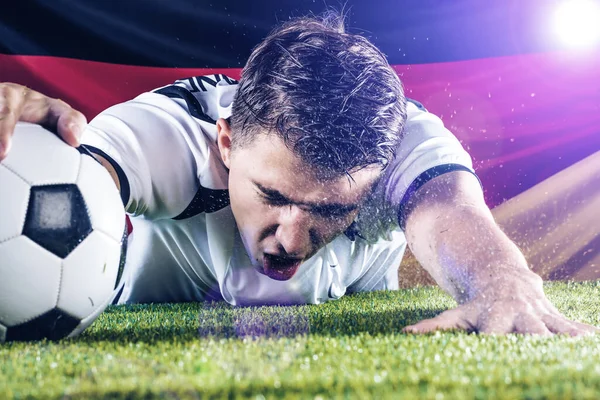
(465, 251)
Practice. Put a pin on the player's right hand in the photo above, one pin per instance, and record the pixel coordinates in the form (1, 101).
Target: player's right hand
(19, 103)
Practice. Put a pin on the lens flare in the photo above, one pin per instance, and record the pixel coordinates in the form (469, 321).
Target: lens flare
(577, 23)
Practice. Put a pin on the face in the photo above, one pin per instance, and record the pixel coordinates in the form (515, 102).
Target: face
(283, 211)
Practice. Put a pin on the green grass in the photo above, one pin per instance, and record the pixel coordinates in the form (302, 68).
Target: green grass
(349, 348)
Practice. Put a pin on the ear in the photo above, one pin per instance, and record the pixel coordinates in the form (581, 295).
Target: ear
(224, 141)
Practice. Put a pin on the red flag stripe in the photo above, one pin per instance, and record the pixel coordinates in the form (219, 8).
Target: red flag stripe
(522, 118)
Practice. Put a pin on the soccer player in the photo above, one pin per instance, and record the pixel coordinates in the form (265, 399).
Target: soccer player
(301, 183)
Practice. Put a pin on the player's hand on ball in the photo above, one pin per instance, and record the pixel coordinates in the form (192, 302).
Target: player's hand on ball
(19, 103)
(508, 305)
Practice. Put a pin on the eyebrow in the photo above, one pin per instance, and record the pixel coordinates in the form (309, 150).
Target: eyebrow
(319, 207)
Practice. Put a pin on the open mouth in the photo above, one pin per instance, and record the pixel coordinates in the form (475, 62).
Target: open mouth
(280, 268)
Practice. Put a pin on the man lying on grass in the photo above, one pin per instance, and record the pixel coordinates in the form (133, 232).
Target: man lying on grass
(301, 183)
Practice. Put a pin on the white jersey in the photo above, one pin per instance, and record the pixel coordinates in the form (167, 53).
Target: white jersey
(185, 245)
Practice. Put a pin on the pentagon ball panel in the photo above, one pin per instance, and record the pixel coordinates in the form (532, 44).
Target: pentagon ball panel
(54, 324)
(61, 238)
(57, 218)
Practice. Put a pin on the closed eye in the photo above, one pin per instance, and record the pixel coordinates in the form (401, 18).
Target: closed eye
(274, 200)
(332, 211)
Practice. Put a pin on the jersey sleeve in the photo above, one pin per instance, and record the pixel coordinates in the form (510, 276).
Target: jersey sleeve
(157, 149)
(427, 150)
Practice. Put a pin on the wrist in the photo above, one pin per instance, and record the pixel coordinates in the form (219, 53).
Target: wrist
(505, 283)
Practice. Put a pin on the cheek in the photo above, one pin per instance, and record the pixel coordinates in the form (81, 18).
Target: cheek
(250, 213)
(242, 206)
(330, 228)
(238, 199)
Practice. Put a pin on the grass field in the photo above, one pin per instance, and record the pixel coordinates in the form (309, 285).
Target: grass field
(348, 348)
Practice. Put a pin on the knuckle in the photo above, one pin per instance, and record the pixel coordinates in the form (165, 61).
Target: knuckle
(10, 101)
(8, 88)
(6, 111)
(576, 332)
(77, 116)
(81, 116)
(61, 103)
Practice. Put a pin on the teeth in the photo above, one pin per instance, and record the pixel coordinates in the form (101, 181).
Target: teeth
(281, 262)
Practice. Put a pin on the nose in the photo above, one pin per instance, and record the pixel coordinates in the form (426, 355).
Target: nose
(295, 232)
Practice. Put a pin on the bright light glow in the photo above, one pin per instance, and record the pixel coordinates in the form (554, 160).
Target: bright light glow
(577, 23)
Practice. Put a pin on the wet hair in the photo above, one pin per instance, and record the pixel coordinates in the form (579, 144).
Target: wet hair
(330, 95)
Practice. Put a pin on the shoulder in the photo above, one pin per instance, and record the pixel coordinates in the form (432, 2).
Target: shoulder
(427, 150)
(206, 97)
(165, 143)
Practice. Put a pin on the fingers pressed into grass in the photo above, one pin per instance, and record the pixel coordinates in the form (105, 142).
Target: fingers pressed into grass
(530, 324)
(454, 319)
(496, 323)
(561, 325)
(589, 328)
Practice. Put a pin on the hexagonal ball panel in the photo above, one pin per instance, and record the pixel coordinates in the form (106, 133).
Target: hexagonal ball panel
(102, 197)
(13, 204)
(86, 322)
(29, 283)
(54, 325)
(57, 218)
(55, 161)
(89, 275)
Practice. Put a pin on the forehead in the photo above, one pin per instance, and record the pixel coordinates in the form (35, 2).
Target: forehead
(269, 162)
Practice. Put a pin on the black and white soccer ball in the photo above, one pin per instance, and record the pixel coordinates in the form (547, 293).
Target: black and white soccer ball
(62, 227)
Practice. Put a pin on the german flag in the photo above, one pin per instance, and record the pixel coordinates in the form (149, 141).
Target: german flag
(525, 106)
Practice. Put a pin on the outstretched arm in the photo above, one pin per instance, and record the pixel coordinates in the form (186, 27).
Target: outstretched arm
(453, 235)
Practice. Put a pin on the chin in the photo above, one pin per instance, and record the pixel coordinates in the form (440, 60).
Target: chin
(259, 269)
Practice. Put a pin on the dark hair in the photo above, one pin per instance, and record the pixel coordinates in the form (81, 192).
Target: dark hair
(330, 95)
